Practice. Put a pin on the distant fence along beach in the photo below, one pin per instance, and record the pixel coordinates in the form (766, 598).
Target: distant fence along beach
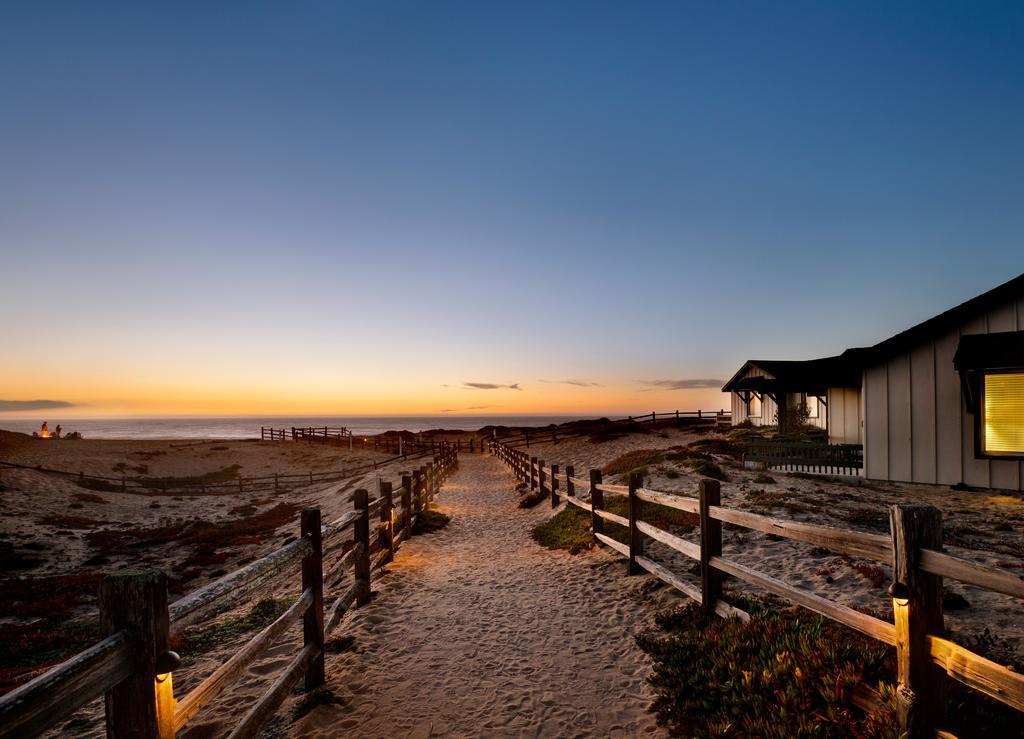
(914, 549)
(133, 665)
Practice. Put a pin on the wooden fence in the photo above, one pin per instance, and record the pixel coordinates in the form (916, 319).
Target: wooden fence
(840, 459)
(924, 657)
(239, 484)
(586, 428)
(391, 442)
(133, 666)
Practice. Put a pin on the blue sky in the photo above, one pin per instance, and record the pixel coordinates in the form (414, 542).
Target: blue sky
(212, 201)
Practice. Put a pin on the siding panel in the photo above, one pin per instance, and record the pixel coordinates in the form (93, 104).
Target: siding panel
(948, 408)
(876, 423)
(922, 409)
(900, 426)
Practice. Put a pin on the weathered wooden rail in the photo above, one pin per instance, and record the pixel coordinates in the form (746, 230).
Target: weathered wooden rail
(924, 656)
(840, 459)
(586, 428)
(133, 667)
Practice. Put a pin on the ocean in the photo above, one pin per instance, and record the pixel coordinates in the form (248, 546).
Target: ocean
(249, 427)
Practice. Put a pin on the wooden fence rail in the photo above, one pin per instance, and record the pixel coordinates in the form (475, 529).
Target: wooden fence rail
(133, 666)
(924, 656)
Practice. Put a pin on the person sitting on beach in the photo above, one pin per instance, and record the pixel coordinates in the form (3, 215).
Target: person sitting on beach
(57, 431)
(46, 430)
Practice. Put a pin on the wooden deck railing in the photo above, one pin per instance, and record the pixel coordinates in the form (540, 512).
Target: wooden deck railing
(924, 656)
(133, 667)
(839, 459)
(586, 428)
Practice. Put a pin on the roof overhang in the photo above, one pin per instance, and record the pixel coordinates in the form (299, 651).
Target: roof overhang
(978, 353)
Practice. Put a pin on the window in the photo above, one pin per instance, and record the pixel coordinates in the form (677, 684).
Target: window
(754, 405)
(813, 406)
(1002, 418)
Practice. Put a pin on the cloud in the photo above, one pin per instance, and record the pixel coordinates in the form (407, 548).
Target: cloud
(7, 406)
(577, 383)
(490, 386)
(468, 408)
(443, 385)
(682, 384)
(477, 407)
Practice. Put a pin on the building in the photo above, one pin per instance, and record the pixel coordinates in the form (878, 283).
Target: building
(940, 403)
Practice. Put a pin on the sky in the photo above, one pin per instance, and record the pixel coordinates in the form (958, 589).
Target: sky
(407, 207)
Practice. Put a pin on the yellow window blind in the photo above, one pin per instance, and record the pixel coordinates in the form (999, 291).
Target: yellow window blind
(1004, 413)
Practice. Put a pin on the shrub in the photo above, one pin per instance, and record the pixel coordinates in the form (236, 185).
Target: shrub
(642, 472)
(631, 461)
(782, 674)
(568, 529)
(197, 640)
(427, 522)
(764, 479)
(717, 445)
(707, 468)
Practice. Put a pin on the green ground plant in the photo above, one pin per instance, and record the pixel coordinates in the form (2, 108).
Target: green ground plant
(195, 641)
(427, 522)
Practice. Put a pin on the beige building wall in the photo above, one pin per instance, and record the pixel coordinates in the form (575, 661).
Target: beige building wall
(916, 425)
(844, 417)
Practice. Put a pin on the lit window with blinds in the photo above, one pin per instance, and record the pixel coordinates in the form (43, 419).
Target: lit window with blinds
(1003, 414)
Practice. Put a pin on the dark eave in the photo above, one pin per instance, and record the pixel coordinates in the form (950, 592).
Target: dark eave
(807, 376)
(1004, 350)
(938, 326)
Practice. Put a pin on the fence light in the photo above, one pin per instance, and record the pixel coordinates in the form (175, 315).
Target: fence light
(166, 663)
(900, 593)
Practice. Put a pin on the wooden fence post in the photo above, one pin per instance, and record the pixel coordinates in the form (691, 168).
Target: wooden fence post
(406, 505)
(417, 487)
(554, 486)
(533, 473)
(570, 487)
(361, 535)
(710, 545)
(387, 518)
(540, 476)
(596, 503)
(917, 608)
(142, 705)
(313, 578)
(636, 539)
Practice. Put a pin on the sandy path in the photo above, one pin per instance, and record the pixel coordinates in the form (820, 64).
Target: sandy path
(477, 630)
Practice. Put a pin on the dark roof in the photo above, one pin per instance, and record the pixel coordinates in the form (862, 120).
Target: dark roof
(845, 370)
(990, 351)
(935, 327)
(797, 376)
